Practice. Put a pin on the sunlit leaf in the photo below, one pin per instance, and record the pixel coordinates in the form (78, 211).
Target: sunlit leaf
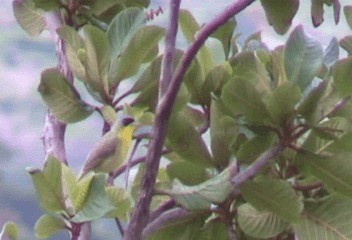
(97, 61)
(121, 200)
(138, 48)
(326, 220)
(30, 18)
(214, 190)
(259, 224)
(48, 185)
(97, 203)
(303, 58)
(47, 225)
(224, 34)
(61, 98)
(123, 27)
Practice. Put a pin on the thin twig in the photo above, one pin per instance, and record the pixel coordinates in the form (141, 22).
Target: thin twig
(161, 209)
(308, 187)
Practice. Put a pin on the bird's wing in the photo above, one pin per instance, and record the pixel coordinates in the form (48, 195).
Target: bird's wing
(96, 156)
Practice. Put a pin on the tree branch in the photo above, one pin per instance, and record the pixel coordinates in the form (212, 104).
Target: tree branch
(165, 104)
(256, 166)
(167, 217)
(161, 209)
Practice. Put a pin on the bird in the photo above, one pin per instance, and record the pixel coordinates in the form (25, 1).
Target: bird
(112, 149)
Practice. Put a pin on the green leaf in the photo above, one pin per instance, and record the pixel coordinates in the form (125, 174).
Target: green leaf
(251, 149)
(259, 224)
(184, 139)
(214, 82)
(214, 190)
(277, 65)
(71, 186)
(48, 185)
(47, 5)
(331, 53)
(75, 51)
(97, 203)
(187, 172)
(303, 58)
(29, 18)
(193, 80)
(309, 106)
(139, 47)
(47, 225)
(273, 195)
(97, 61)
(10, 231)
(223, 129)
(326, 220)
(123, 27)
(214, 230)
(61, 98)
(224, 34)
(280, 13)
(348, 14)
(342, 72)
(281, 104)
(121, 200)
(346, 43)
(189, 28)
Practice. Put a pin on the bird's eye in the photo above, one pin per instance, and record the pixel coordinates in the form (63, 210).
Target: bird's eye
(127, 121)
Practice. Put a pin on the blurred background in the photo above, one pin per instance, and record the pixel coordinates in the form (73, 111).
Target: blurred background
(22, 112)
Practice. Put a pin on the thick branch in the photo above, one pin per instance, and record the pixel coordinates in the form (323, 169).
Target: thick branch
(256, 166)
(141, 214)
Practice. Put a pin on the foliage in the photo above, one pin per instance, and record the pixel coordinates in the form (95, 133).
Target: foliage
(219, 185)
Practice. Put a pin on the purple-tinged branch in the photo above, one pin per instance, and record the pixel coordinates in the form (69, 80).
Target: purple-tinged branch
(141, 214)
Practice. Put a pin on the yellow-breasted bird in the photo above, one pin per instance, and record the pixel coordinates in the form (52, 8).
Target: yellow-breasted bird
(112, 149)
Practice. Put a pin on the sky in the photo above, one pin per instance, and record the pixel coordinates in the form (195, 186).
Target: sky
(22, 112)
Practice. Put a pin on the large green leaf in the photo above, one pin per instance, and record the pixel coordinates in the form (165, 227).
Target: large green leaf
(9, 231)
(281, 104)
(224, 34)
(223, 130)
(120, 198)
(47, 5)
(342, 72)
(48, 185)
(71, 186)
(47, 225)
(280, 13)
(31, 19)
(75, 51)
(277, 65)
(273, 195)
(185, 140)
(190, 27)
(303, 58)
(187, 172)
(214, 190)
(123, 27)
(97, 203)
(61, 98)
(97, 61)
(259, 224)
(326, 220)
(139, 47)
